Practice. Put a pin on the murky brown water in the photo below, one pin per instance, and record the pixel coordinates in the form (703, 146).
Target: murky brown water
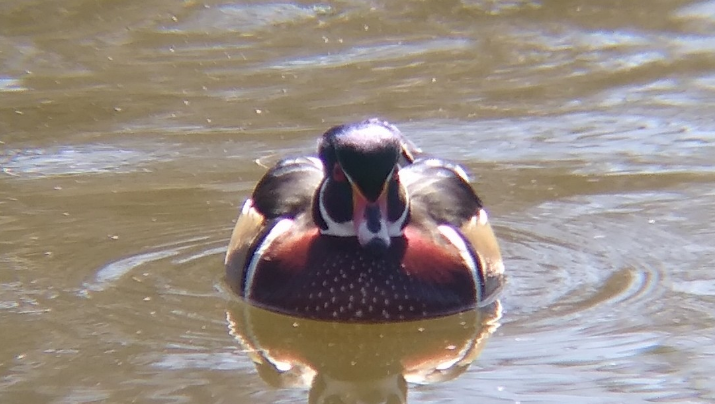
(128, 134)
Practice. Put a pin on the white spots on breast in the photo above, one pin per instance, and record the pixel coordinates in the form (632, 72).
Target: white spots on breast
(354, 286)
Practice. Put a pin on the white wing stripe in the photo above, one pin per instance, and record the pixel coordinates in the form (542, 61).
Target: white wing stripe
(458, 241)
(278, 229)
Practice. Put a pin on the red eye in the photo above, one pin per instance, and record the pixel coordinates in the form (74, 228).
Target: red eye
(338, 173)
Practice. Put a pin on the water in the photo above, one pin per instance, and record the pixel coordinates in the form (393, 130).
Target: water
(128, 138)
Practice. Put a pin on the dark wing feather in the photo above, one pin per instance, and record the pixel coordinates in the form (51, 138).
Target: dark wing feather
(286, 190)
(440, 191)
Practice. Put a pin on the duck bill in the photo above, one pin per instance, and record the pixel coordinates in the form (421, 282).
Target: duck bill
(370, 220)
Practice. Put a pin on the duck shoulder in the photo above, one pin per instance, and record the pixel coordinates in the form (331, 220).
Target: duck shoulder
(284, 192)
(441, 194)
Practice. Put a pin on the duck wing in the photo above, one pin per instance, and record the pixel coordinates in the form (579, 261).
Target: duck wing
(284, 192)
(440, 194)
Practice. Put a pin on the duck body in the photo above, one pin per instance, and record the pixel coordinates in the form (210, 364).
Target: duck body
(366, 232)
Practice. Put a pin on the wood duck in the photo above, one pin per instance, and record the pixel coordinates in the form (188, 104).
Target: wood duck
(369, 231)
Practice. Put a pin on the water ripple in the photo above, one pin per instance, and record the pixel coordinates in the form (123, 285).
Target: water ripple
(84, 159)
(109, 274)
(10, 84)
(374, 53)
(246, 18)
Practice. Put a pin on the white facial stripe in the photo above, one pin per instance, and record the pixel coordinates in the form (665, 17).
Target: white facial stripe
(344, 229)
(392, 172)
(278, 229)
(451, 234)
(349, 178)
(353, 182)
(347, 229)
(394, 229)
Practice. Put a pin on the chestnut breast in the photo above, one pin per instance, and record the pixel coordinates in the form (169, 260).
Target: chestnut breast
(333, 278)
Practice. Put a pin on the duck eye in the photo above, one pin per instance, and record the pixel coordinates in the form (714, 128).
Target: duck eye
(338, 173)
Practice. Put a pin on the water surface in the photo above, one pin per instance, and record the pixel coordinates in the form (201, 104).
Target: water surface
(129, 132)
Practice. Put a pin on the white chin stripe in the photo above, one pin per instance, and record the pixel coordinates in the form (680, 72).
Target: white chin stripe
(347, 229)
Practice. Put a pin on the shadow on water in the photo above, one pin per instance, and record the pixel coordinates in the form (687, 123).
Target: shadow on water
(359, 363)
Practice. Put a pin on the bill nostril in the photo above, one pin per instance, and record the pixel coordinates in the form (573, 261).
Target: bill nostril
(373, 218)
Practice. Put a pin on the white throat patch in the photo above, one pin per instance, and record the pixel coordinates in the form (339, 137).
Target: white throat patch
(347, 229)
(344, 229)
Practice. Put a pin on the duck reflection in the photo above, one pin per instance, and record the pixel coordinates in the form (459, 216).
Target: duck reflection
(348, 363)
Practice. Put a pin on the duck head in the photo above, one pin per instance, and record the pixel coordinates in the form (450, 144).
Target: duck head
(361, 194)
